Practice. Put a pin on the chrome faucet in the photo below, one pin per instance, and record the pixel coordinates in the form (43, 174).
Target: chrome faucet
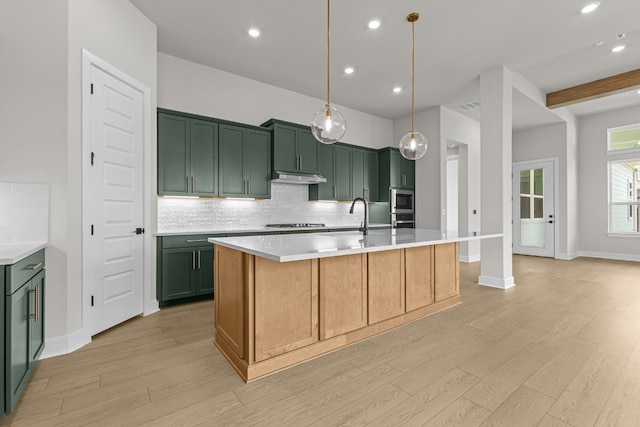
(365, 229)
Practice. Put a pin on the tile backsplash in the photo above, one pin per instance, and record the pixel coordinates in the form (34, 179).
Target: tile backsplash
(24, 213)
(289, 203)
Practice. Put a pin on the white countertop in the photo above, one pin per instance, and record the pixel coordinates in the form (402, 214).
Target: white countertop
(264, 229)
(12, 253)
(296, 247)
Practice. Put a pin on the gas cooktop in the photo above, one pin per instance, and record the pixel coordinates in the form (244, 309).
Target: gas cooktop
(297, 225)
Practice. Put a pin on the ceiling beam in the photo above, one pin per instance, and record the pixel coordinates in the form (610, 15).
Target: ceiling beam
(595, 89)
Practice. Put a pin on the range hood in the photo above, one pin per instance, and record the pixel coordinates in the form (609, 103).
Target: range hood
(297, 178)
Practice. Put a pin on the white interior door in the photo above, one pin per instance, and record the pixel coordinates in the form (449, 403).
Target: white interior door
(534, 209)
(115, 251)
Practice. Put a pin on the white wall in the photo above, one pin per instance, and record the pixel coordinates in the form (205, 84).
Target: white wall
(40, 116)
(198, 89)
(592, 187)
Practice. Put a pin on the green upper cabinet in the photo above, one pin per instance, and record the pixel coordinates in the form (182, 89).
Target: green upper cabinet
(335, 165)
(187, 150)
(245, 164)
(395, 172)
(294, 147)
(365, 174)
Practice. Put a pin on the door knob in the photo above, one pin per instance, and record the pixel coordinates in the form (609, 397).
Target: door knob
(139, 230)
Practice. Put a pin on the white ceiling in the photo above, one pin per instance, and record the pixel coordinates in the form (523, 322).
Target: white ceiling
(547, 41)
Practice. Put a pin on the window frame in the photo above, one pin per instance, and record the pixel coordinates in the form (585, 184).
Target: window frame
(610, 131)
(630, 204)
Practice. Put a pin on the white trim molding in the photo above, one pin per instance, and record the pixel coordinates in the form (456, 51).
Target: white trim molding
(609, 255)
(496, 282)
(567, 257)
(65, 344)
(470, 258)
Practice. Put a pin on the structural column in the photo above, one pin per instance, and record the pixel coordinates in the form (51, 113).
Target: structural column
(496, 91)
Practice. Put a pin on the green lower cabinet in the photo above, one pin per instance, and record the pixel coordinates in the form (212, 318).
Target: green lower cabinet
(24, 332)
(185, 269)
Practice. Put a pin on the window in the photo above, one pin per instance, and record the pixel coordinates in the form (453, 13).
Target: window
(624, 138)
(624, 193)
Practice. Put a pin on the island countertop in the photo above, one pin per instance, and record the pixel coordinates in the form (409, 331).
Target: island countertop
(296, 247)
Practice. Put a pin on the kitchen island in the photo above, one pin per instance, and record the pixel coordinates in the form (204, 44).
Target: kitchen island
(284, 299)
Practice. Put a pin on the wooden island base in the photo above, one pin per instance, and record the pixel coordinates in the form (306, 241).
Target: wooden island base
(272, 315)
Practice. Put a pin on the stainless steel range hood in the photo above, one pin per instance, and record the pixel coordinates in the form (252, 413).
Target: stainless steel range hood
(297, 178)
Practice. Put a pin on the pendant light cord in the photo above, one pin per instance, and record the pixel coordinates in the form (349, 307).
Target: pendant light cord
(328, 51)
(413, 67)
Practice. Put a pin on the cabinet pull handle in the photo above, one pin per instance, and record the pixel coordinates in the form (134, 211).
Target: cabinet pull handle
(35, 266)
(297, 162)
(196, 240)
(198, 260)
(187, 180)
(249, 186)
(193, 260)
(193, 184)
(35, 316)
(300, 162)
(337, 192)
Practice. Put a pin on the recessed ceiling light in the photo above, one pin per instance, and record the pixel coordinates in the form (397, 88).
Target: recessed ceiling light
(374, 24)
(618, 48)
(254, 32)
(590, 7)
(349, 70)
(397, 89)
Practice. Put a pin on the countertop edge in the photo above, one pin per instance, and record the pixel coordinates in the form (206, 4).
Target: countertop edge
(263, 230)
(20, 251)
(342, 252)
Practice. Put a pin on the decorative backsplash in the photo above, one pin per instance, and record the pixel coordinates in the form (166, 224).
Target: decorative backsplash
(289, 203)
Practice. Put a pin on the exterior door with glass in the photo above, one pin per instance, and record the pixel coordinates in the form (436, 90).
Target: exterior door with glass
(534, 209)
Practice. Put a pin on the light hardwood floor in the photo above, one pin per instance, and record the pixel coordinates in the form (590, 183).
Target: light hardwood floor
(561, 348)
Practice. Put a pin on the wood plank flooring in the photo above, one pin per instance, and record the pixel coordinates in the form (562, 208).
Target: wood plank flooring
(562, 348)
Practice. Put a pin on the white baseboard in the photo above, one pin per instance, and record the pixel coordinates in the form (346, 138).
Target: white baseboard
(65, 344)
(496, 282)
(470, 258)
(609, 255)
(567, 257)
(151, 307)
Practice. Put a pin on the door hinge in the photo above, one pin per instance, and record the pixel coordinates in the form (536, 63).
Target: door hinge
(92, 229)
(91, 300)
(93, 155)
(91, 88)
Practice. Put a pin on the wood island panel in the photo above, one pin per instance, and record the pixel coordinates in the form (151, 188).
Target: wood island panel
(343, 294)
(270, 315)
(286, 306)
(229, 298)
(418, 277)
(386, 285)
(447, 275)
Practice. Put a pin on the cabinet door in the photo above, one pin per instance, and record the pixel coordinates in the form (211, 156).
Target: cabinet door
(258, 163)
(371, 175)
(173, 155)
(231, 173)
(395, 169)
(409, 172)
(418, 277)
(178, 269)
(386, 285)
(446, 266)
(324, 190)
(204, 261)
(36, 344)
(284, 148)
(357, 177)
(204, 161)
(286, 311)
(343, 294)
(342, 156)
(19, 307)
(307, 149)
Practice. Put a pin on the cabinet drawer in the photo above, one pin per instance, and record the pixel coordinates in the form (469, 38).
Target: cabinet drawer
(22, 271)
(186, 241)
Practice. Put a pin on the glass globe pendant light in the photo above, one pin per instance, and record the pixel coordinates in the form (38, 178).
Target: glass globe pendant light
(328, 124)
(413, 144)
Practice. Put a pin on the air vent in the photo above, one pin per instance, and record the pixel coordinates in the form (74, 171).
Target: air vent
(469, 106)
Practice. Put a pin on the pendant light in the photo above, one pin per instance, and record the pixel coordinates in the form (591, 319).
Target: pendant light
(328, 125)
(413, 144)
